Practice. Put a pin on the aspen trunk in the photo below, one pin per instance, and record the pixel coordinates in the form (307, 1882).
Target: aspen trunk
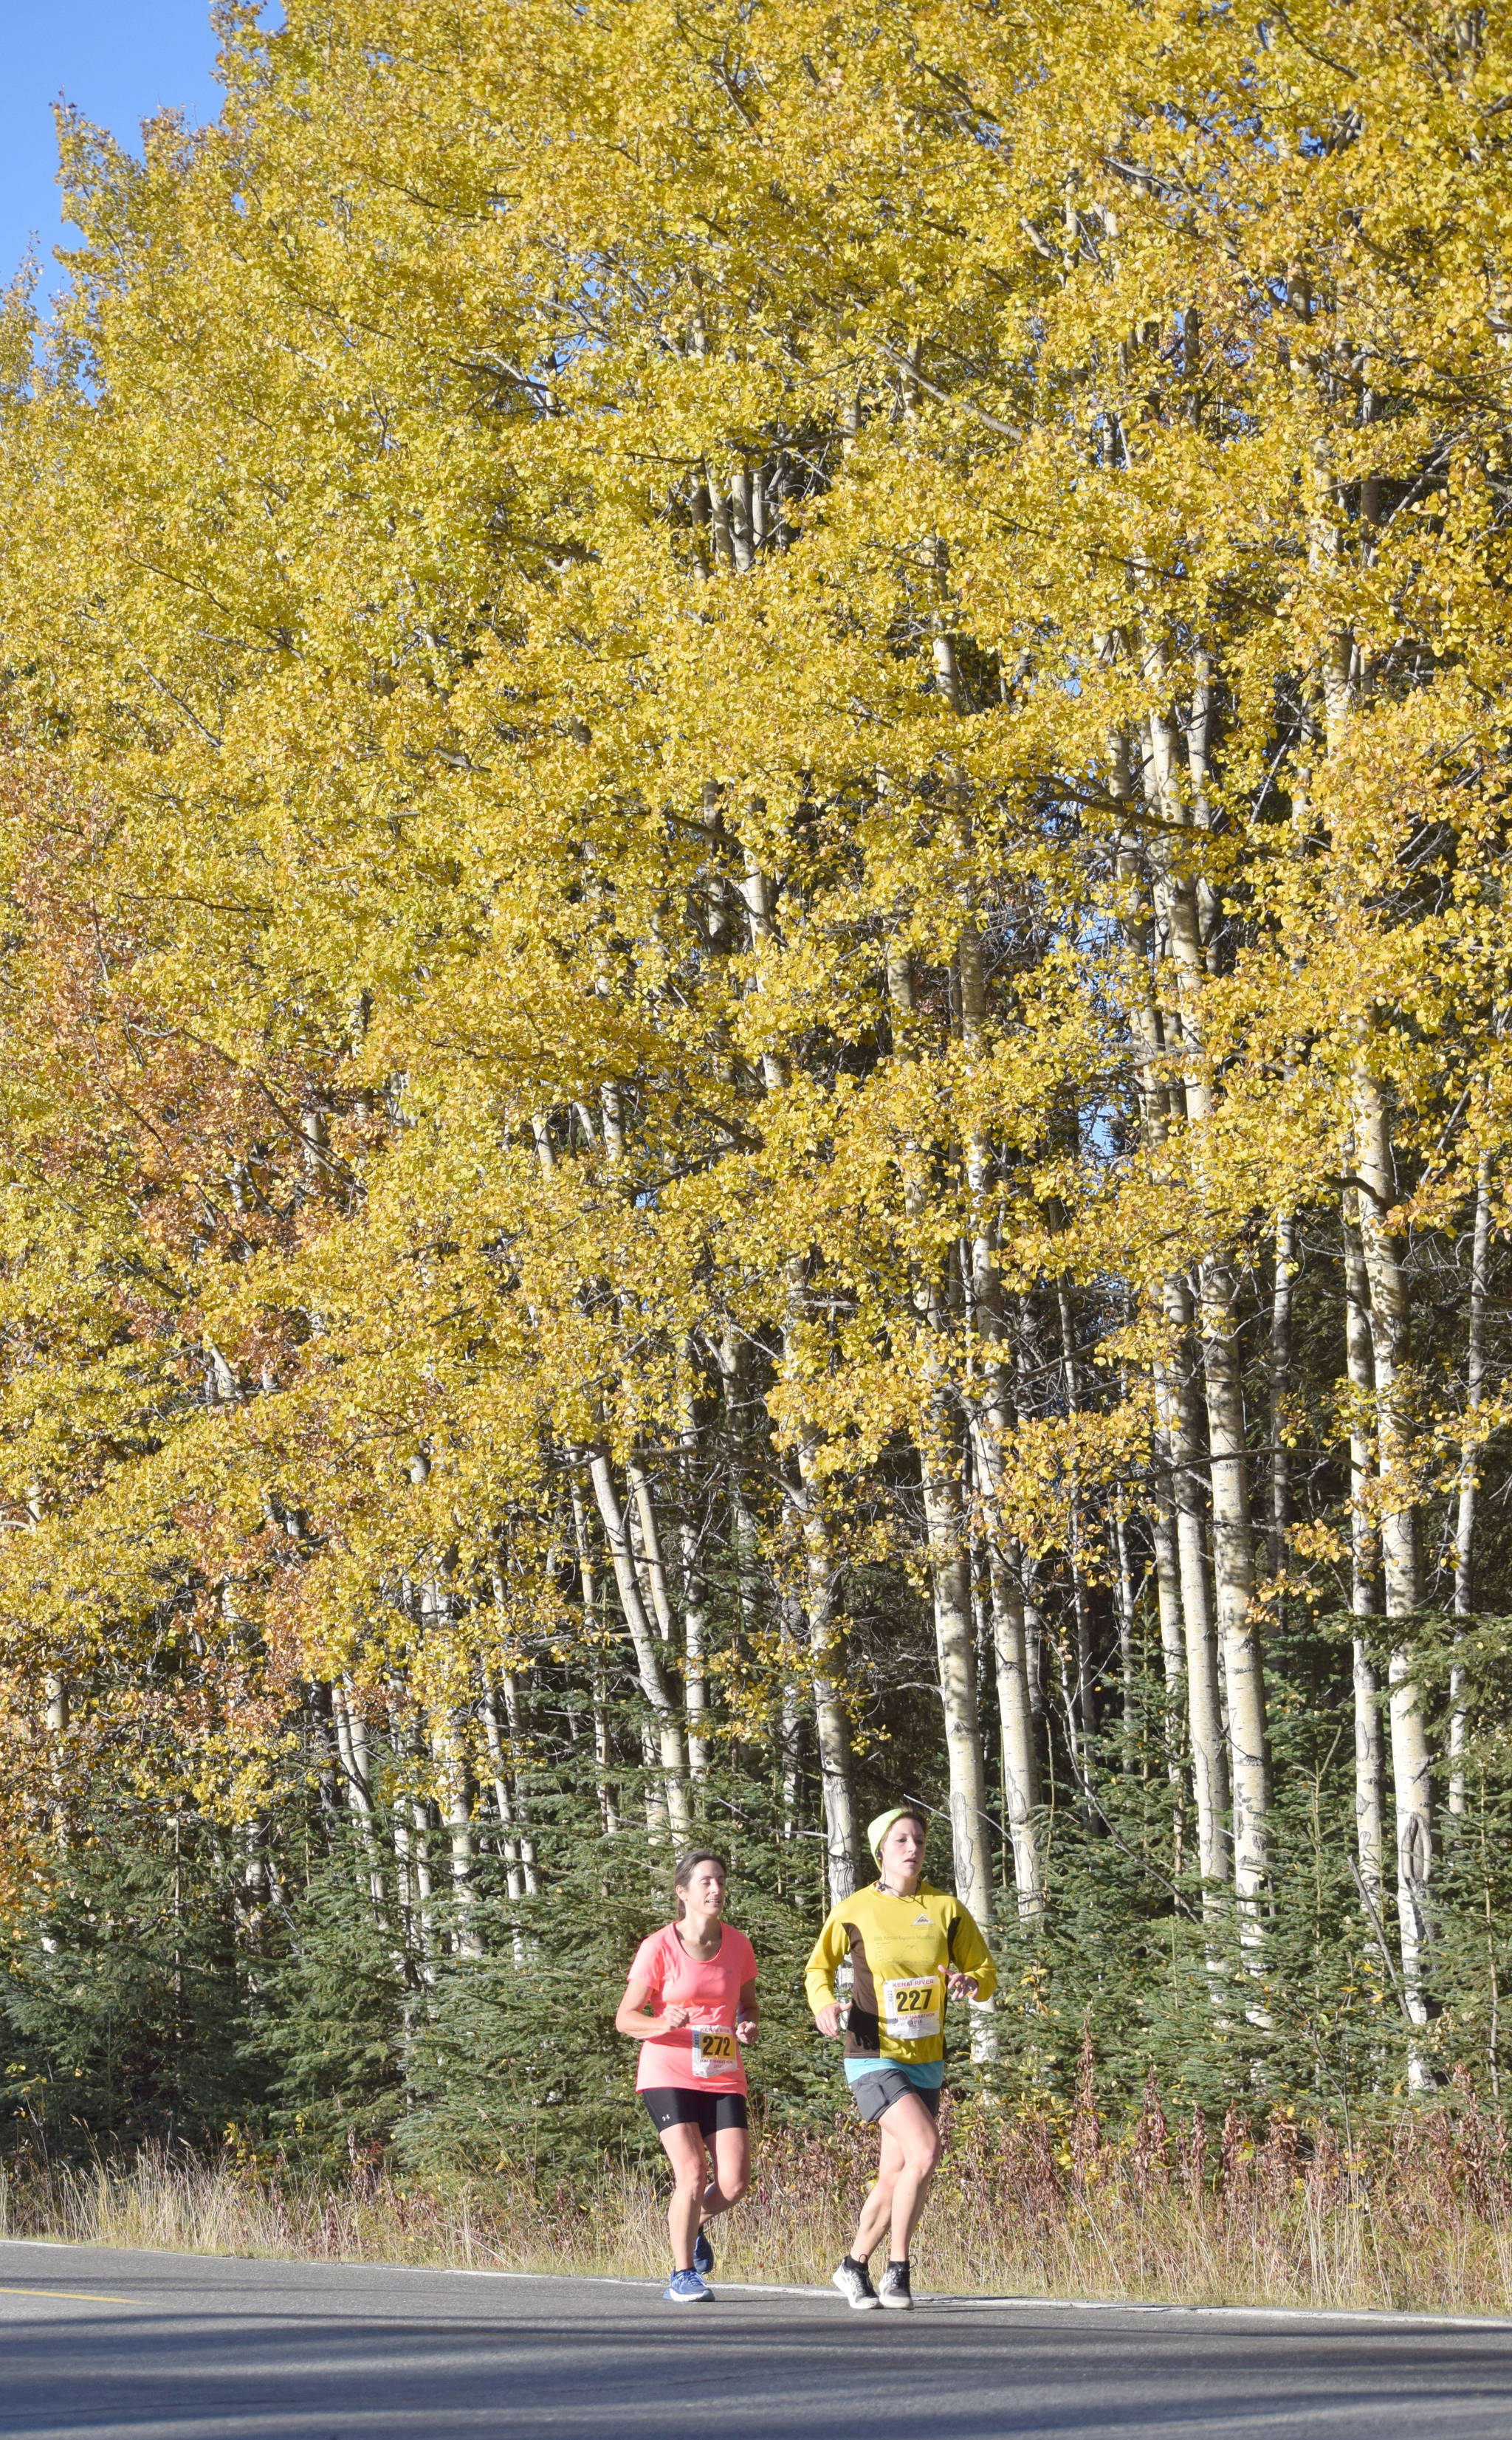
(504, 1800)
(1016, 1723)
(1401, 1544)
(832, 1728)
(1285, 1271)
(403, 1860)
(1034, 1644)
(789, 1725)
(1173, 1656)
(694, 1618)
(1180, 1418)
(1021, 1764)
(55, 1717)
(603, 1752)
(1168, 1590)
(645, 1542)
(424, 1888)
(955, 1651)
(667, 1735)
(1234, 1578)
(448, 1752)
(516, 1730)
(1370, 1752)
(939, 1448)
(842, 1846)
(1085, 1696)
(1232, 1530)
(1124, 1591)
(608, 1809)
(1465, 1515)
(1390, 1340)
(352, 1745)
(1186, 1618)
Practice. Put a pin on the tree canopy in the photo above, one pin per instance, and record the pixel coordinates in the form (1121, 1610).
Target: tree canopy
(754, 989)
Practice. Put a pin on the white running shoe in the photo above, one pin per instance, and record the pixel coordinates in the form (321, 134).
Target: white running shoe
(895, 2289)
(854, 2281)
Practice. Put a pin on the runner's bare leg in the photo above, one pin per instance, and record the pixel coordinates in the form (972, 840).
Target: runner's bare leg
(731, 2149)
(911, 2148)
(684, 2147)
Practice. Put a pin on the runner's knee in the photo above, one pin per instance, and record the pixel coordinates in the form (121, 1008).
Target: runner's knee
(923, 2152)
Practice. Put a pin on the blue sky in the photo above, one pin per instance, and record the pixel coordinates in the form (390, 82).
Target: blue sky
(117, 61)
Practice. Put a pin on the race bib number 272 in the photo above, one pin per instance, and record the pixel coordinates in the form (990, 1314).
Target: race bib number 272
(714, 2050)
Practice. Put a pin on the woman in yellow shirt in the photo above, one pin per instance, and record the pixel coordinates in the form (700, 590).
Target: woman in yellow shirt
(912, 1947)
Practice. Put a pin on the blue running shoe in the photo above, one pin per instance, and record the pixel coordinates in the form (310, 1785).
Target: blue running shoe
(686, 2288)
(703, 2254)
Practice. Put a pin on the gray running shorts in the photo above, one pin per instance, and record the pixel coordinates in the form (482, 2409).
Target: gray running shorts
(874, 2093)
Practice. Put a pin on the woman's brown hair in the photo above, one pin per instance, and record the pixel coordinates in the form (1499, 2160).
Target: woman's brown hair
(684, 1869)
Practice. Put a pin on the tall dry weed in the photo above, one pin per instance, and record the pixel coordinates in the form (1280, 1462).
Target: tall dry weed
(1418, 2217)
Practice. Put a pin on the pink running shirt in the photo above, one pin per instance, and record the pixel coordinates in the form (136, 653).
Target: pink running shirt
(711, 1991)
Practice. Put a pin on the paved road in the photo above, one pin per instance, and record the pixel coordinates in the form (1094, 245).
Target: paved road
(98, 2346)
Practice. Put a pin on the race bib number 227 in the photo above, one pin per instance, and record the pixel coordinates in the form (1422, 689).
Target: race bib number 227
(911, 2009)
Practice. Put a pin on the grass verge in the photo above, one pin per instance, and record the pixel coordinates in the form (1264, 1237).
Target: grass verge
(1418, 2220)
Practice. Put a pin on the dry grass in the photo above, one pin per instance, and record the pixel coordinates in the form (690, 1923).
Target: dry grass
(1420, 2219)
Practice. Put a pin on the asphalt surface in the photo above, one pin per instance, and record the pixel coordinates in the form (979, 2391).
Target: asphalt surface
(104, 2345)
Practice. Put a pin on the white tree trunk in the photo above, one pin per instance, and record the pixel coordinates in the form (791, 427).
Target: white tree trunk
(449, 1756)
(1232, 1530)
(667, 1732)
(955, 1652)
(694, 1618)
(990, 1419)
(352, 1745)
(516, 1730)
(587, 1577)
(1180, 1421)
(1015, 1722)
(939, 1448)
(1370, 1744)
(1173, 1656)
(1285, 1271)
(1464, 1516)
(832, 1727)
(1401, 1541)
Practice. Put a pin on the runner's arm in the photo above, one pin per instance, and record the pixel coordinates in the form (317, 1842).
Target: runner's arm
(971, 1959)
(631, 2017)
(818, 1982)
(747, 2016)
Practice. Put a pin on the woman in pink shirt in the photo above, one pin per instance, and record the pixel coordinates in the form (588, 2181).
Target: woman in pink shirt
(690, 2003)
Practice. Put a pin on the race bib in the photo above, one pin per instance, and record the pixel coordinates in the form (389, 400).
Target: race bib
(910, 2010)
(714, 2050)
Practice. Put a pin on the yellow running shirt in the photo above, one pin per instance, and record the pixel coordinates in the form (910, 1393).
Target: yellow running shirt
(901, 1950)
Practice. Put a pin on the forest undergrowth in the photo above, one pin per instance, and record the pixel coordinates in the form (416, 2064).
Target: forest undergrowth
(1262, 2210)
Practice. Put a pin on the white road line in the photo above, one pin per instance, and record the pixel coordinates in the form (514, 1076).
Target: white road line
(1363, 2316)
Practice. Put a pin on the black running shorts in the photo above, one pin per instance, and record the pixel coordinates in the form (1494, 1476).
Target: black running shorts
(875, 2093)
(711, 2113)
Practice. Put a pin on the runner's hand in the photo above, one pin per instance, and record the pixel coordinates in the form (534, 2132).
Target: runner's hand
(828, 2021)
(963, 1986)
(674, 2019)
(744, 2029)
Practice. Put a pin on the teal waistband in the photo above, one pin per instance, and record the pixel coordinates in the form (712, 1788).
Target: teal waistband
(928, 2075)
